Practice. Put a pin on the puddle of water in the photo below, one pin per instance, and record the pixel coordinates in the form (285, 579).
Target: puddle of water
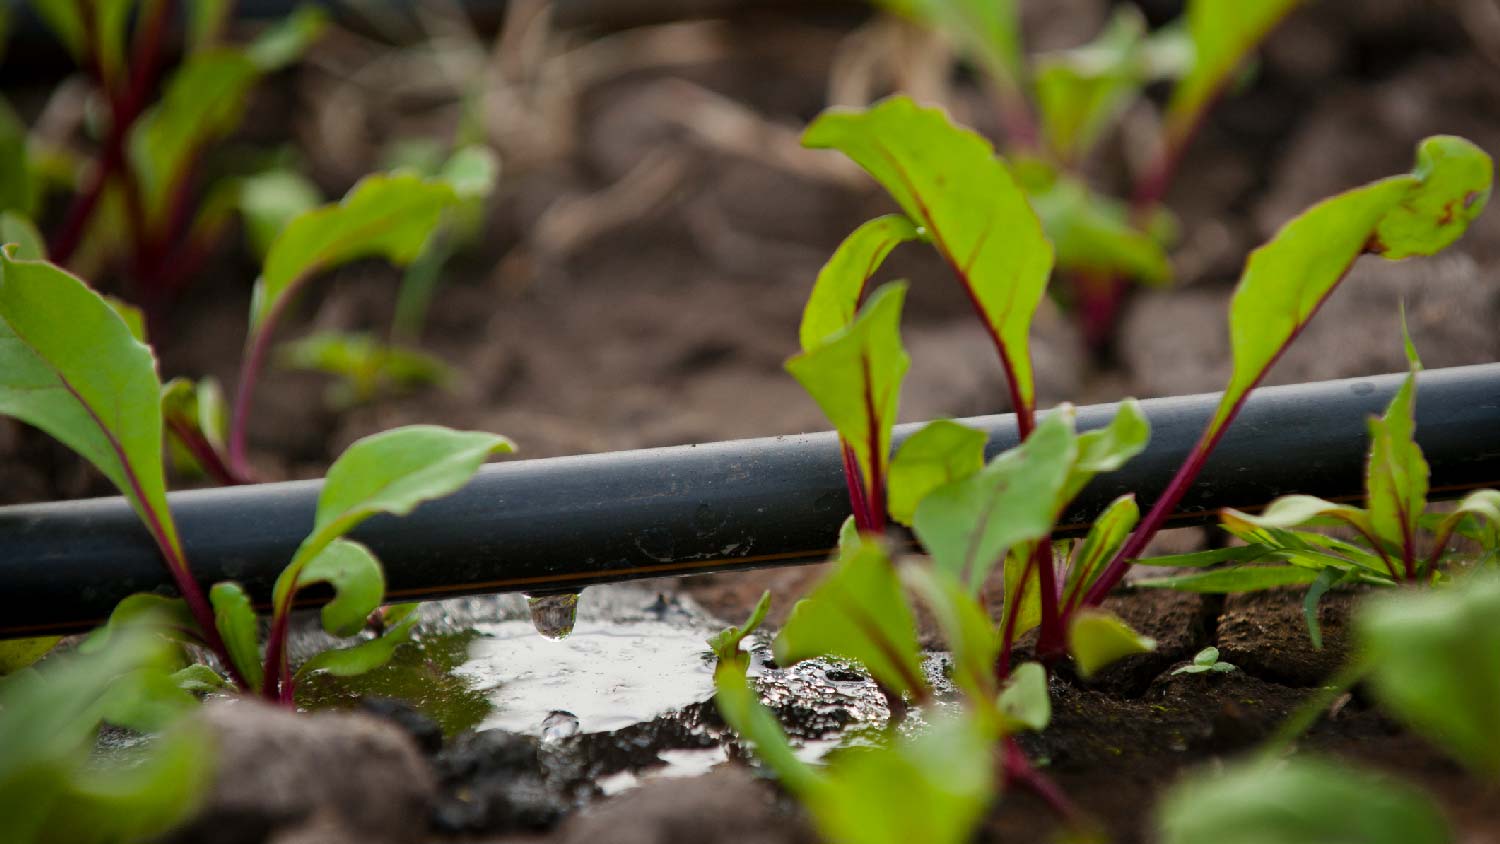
(676, 763)
(607, 675)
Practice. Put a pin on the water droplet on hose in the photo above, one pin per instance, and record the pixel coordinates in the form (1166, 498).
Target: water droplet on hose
(558, 725)
(554, 613)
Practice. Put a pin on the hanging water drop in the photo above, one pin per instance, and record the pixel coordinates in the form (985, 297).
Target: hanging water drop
(553, 613)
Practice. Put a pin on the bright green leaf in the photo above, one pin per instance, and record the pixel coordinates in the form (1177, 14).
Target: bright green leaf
(1234, 579)
(203, 102)
(948, 180)
(935, 787)
(1223, 34)
(1298, 801)
(1025, 703)
(1107, 449)
(1199, 559)
(365, 368)
(357, 581)
(369, 654)
(269, 200)
(966, 627)
(25, 242)
(1291, 511)
(18, 186)
(69, 365)
(739, 704)
(1081, 91)
(1481, 508)
(198, 679)
(1097, 638)
(472, 171)
(239, 628)
(1095, 233)
(840, 287)
(940, 452)
(968, 525)
(988, 32)
(16, 654)
(726, 644)
(1105, 536)
(855, 377)
(858, 612)
(1435, 660)
(385, 215)
(286, 41)
(1396, 475)
(1289, 277)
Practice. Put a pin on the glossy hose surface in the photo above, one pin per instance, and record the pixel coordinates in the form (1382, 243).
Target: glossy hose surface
(538, 525)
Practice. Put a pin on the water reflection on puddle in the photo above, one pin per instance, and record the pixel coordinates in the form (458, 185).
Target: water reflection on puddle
(607, 675)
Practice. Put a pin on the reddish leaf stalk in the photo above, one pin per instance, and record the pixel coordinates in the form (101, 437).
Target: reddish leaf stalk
(875, 494)
(1019, 772)
(856, 487)
(203, 451)
(251, 365)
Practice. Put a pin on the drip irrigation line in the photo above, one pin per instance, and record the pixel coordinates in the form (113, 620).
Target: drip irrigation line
(566, 522)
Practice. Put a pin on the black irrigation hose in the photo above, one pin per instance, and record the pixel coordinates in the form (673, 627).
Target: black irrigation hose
(558, 523)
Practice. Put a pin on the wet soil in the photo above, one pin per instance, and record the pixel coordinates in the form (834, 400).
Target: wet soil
(639, 283)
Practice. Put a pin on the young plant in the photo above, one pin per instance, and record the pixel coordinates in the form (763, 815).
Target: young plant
(139, 199)
(70, 365)
(1389, 530)
(1056, 107)
(1205, 661)
(50, 787)
(392, 216)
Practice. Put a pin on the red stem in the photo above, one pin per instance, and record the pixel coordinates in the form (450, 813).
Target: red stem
(1018, 772)
(856, 487)
(250, 367)
(875, 495)
(203, 451)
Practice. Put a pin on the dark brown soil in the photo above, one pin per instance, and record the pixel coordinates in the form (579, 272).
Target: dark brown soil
(579, 327)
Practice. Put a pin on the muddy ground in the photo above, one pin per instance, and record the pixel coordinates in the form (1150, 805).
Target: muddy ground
(645, 262)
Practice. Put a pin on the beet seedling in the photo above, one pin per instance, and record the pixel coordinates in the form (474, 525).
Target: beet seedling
(972, 517)
(70, 365)
(1056, 107)
(140, 200)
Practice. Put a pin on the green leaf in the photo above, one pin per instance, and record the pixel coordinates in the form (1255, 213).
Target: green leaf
(16, 654)
(70, 366)
(203, 102)
(859, 613)
(389, 472)
(1289, 277)
(967, 629)
(940, 452)
(968, 525)
(1396, 475)
(205, 23)
(472, 171)
(1482, 508)
(18, 187)
(1104, 538)
(1298, 801)
(199, 678)
(988, 32)
(390, 216)
(370, 654)
(1107, 449)
(168, 617)
(1097, 638)
(394, 471)
(1081, 91)
(840, 287)
(1095, 233)
(1235, 579)
(740, 705)
(288, 39)
(357, 581)
(270, 200)
(1291, 511)
(1025, 703)
(365, 367)
(1223, 34)
(1435, 660)
(726, 644)
(1327, 578)
(1199, 559)
(948, 180)
(855, 377)
(200, 406)
(235, 618)
(18, 233)
(935, 787)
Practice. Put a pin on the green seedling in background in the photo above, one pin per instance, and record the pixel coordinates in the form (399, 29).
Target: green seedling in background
(70, 365)
(1388, 532)
(1057, 107)
(139, 201)
(1204, 662)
